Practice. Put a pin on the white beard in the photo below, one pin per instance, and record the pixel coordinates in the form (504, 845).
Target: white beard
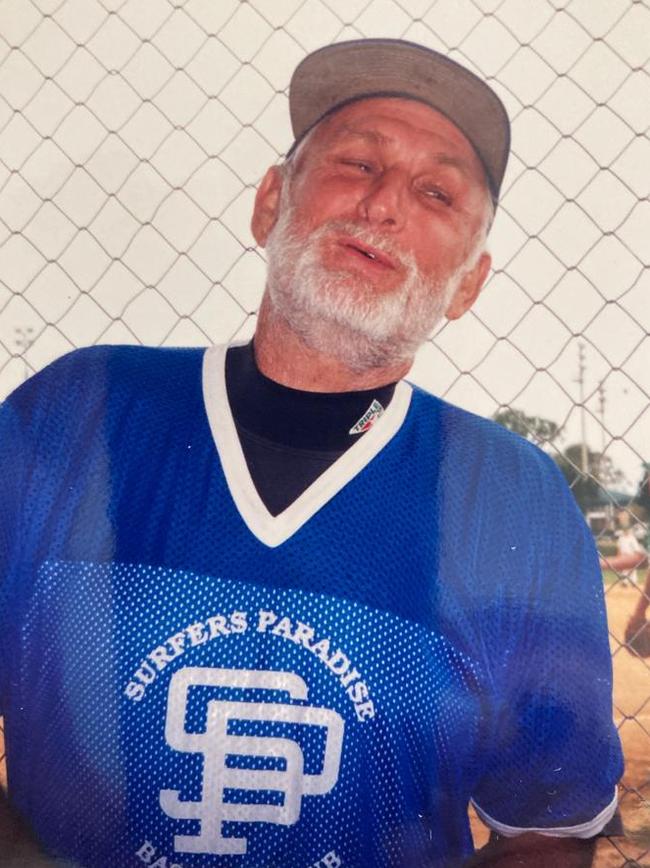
(341, 314)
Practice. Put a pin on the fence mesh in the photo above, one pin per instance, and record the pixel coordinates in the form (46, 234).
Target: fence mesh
(133, 133)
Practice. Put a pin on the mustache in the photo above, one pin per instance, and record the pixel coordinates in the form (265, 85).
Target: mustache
(365, 235)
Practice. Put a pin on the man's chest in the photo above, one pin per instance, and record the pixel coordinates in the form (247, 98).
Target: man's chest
(227, 717)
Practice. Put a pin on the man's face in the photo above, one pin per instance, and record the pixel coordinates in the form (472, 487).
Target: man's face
(378, 227)
(399, 167)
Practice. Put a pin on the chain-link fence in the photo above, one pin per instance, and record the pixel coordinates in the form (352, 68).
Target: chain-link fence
(132, 135)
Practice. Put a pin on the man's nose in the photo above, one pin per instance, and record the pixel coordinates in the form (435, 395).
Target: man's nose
(383, 203)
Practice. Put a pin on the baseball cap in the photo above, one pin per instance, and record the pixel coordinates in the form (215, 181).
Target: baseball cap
(346, 72)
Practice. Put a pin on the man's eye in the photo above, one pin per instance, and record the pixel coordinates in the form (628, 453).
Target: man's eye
(363, 167)
(437, 193)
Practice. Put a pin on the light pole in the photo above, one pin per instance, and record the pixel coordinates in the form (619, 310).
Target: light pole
(583, 426)
(601, 413)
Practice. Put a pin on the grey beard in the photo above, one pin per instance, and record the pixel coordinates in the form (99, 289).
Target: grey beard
(340, 314)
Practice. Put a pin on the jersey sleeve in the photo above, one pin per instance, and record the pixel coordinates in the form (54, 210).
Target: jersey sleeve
(553, 755)
(23, 419)
(11, 473)
(36, 424)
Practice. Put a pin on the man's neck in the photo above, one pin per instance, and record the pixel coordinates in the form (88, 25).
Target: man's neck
(281, 355)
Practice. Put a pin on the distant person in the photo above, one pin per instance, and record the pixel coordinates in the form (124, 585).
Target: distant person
(630, 554)
(628, 545)
(637, 632)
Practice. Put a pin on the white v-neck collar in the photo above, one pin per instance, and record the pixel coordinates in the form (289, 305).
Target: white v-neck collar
(273, 530)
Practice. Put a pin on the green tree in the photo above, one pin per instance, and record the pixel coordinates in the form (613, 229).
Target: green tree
(538, 430)
(590, 488)
(642, 496)
(640, 506)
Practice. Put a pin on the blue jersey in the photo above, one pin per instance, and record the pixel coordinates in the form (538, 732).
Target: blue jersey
(188, 680)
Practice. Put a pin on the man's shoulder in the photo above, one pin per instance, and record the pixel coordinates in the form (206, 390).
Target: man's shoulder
(485, 448)
(94, 369)
(84, 389)
(127, 358)
(464, 427)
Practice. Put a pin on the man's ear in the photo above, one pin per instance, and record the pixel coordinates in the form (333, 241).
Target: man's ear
(470, 287)
(267, 204)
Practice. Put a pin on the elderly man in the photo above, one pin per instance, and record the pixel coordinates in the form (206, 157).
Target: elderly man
(273, 606)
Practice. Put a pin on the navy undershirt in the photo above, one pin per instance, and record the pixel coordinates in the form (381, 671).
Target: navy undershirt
(289, 437)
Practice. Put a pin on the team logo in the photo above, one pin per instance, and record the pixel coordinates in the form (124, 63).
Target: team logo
(246, 763)
(374, 411)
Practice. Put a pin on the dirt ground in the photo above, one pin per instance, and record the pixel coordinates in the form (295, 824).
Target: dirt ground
(632, 715)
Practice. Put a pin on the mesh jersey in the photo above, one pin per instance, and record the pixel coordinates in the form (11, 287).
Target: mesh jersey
(189, 681)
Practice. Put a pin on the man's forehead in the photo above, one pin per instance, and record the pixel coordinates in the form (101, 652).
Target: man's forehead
(369, 120)
(340, 74)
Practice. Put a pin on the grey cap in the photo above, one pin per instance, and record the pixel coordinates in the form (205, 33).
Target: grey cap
(345, 72)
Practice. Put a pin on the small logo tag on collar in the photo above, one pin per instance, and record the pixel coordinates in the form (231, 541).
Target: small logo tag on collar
(374, 411)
